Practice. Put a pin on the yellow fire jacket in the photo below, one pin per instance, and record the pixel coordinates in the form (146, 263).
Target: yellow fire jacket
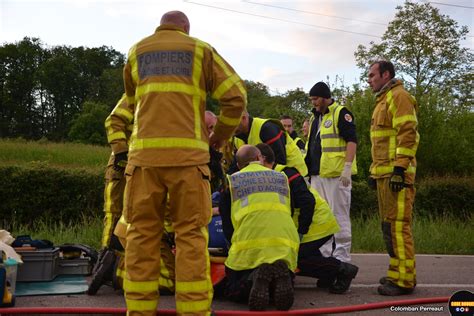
(393, 132)
(123, 127)
(167, 78)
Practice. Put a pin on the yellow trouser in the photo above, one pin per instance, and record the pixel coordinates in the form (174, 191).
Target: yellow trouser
(113, 202)
(190, 204)
(167, 268)
(396, 213)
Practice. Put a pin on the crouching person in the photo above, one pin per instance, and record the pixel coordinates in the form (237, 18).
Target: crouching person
(256, 218)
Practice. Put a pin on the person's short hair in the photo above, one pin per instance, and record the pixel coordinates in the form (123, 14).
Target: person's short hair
(385, 65)
(246, 154)
(267, 152)
(286, 117)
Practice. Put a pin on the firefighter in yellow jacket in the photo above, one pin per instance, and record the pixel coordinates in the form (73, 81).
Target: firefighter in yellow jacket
(395, 139)
(167, 77)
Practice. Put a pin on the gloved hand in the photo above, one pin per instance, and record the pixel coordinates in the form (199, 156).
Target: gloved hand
(346, 174)
(397, 180)
(372, 182)
(120, 161)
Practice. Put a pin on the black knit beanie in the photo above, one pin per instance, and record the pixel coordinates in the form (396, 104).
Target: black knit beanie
(320, 90)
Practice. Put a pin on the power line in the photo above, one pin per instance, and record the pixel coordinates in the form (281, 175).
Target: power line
(314, 13)
(282, 20)
(452, 5)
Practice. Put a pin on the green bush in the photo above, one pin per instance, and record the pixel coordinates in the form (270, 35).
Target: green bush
(40, 192)
(447, 196)
(435, 197)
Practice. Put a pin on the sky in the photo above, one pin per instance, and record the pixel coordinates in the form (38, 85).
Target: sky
(282, 44)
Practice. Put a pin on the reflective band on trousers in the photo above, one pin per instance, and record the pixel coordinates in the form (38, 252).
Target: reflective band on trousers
(141, 305)
(192, 307)
(196, 286)
(140, 286)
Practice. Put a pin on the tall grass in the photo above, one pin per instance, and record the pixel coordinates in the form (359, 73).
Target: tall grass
(87, 231)
(66, 155)
(432, 235)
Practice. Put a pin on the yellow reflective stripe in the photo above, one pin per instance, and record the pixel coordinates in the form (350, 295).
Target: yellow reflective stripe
(403, 119)
(123, 113)
(168, 142)
(116, 135)
(130, 127)
(167, 283)
(389, 169)
(141, 305)
(108, 197)
(197, 116)
(383, 133)
(131, 100)
(132, 59)
(392, 145)
(399, 234)
(406, 151)
(140, 286)
(192, 307)
(164, 272)
(391, 104)
(264, 242)
(192, 286)
(229, 120)
(410, 263)
(108, 221)
(225, 86)
(197, 63)
(244, 211)
(401, 277)
(197, 70)
(222, 64)
(120, 273)
(178, 87)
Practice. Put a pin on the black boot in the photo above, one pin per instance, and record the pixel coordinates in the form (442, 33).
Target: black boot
(282, 286)
(103, 271)
(259, 294)
(344, 278)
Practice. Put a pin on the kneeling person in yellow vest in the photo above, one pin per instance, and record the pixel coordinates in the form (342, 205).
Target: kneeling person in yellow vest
(256, 218)
(316, 225)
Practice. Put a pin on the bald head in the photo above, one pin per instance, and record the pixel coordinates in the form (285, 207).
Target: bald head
(246, 154)
(211, 120)
(176, 18)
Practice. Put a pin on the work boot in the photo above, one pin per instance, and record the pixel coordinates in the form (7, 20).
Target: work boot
(391, 289)
(259, 294)
(383, 280)
(282, 286)
(324, 283)
(344, 278)
(103, 272)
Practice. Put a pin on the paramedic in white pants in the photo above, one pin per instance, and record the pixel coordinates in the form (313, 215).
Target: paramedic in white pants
(330, 159)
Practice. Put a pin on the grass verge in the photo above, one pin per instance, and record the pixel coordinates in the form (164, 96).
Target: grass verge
(444, 235)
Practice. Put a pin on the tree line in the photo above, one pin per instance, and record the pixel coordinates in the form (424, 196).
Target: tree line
(64, 93)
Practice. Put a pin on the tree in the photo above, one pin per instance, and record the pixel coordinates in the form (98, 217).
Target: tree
(88, 126)
(424, 46)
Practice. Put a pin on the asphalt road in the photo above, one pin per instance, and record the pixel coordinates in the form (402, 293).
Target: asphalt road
(437, 275)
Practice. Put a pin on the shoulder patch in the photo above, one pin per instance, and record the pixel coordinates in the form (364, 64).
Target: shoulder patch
(348, 117)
